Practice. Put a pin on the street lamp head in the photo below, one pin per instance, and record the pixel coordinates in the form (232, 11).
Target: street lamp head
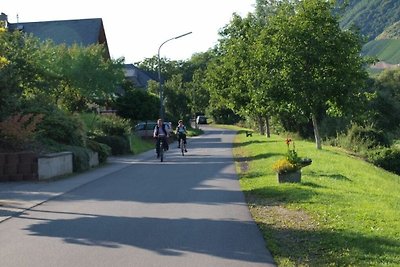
(182, 35)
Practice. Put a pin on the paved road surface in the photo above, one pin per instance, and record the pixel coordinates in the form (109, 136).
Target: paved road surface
(137, 211)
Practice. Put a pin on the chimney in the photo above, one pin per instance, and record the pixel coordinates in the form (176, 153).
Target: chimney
(4, 20)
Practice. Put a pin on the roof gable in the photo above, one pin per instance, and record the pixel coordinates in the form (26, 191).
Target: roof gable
(85, 31)
(137, 76)
(82, 31)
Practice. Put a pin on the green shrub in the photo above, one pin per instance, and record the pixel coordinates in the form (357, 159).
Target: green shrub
(102, 149)
(80, 157)
(18, 131)
(119, 145)
(114, 126)
(386, 158)
(361, 139)
(91, 121)
(63, 128)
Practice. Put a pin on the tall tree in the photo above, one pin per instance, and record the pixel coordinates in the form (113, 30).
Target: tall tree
(243, 71)
(226, 79)
(68, 76)
(194, 74)
(176, 100)
(319, 62)
(22, 70)
(174, 83)
(197, 93)
(384, 106)
(86, 75)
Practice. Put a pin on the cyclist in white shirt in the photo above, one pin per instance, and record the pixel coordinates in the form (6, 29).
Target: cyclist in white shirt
(181, 133)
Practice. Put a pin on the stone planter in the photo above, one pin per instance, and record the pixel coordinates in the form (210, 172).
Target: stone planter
(289, 177)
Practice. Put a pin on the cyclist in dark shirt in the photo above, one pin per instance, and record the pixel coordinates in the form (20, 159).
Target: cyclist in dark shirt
(160, 132)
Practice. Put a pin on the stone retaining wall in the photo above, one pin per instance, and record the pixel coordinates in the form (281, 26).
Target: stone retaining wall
(28, 166)
(55, 164)
(21, 166)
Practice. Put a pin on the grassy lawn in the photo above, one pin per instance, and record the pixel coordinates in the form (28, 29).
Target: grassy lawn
(139, 145)
(345, 212)
(193, 132)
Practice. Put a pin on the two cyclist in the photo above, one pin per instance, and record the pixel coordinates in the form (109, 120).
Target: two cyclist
(162, 133)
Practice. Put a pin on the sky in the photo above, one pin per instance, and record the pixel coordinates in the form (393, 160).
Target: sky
(135, 29)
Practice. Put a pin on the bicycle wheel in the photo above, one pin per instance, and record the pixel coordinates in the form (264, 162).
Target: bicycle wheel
(182, 147)
(161, 150)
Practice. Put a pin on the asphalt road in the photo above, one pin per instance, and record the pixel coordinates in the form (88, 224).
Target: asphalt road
(185, 211)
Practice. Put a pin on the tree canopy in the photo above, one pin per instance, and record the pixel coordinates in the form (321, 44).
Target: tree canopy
(69, 77)
(296, 60)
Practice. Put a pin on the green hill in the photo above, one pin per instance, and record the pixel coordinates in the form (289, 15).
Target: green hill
(372, 17)
(391, 32)
(379, 22)
(387, 50)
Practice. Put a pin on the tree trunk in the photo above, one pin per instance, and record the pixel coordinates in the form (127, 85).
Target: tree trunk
(267, 126)
(261, 125)
(316, 132)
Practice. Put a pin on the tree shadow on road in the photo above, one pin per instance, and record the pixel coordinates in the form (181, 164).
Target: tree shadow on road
(168, 237)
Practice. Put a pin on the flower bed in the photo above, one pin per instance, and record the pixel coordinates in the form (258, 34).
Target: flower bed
(288, 169)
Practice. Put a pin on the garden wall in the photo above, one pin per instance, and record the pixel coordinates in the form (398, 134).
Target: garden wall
(29, 166)
(18, 166)
(54, 164)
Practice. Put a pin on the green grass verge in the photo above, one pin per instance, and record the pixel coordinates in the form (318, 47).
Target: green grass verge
(193, 131)
(345, 211)
(139, 145)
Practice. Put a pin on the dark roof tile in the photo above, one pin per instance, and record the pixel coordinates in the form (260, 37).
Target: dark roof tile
(83, 31)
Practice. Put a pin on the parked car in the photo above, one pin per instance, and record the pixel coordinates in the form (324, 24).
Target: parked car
(201, 120)
(145, 129)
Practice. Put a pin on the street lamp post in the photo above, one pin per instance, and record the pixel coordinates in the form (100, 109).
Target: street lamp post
(159, 74)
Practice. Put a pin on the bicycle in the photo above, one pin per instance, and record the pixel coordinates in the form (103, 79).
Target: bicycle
(182, 144)
(161, 148)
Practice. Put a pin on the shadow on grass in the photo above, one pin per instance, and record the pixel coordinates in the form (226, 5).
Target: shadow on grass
(334, 176)
(326, 247)
(313, 185)
(251, 142)
(282, 194)
(256, 157)
(252, 175)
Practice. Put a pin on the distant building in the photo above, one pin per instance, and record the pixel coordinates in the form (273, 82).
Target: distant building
(4, 19)
(381, 65)
(138, 77)
(83, 32)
